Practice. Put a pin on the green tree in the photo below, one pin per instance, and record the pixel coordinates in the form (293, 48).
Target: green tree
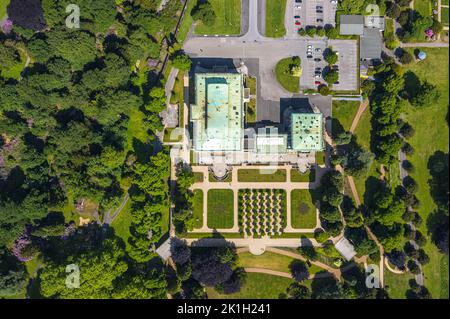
(204, 11)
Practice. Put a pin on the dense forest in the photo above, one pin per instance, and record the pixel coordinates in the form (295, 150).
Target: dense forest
(69, 100)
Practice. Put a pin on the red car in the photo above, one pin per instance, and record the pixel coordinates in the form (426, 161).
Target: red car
(317, 83)
(297, 23)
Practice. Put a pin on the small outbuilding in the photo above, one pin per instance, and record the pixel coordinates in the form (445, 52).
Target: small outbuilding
(351, 24)
(345, 248)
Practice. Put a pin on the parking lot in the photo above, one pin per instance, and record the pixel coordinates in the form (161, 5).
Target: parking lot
(317, 13)
(347, 63)
(309, 65)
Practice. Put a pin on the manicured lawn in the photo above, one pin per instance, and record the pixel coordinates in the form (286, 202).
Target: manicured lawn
(303, 210)
(198, 208)
(178, 97)
(228, 18)
(444, 15)
(344, 112)
(432, 134)
(397, 284)
(275, 12)
(261, 175)
(121, 224)
(445, 2)
(309, 176)
(220, 208)
(267, 260)
(3, 5)
(284, 77)
(257, 286)
(320, 158)
(198, 177)
(423, 7)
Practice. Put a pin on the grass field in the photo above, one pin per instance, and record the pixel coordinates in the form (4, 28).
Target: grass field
(257, 175)
(258, 286)
(228, 18)
(423, 7)
(220, 209)
(397, 284)
(344, 112)
(432, 134)
(198, 208)
(275, 12)
(309, 176)
(303, 210)
(284, 77)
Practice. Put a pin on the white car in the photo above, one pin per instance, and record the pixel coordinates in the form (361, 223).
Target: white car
(309, 46)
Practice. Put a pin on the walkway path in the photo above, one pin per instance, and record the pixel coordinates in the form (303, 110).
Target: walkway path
(108, 218)
(284, 274)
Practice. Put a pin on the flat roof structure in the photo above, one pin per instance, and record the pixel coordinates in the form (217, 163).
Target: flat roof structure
(371, 44)
(345, 248)
(217, 114)
(374, 22)
(269, 141)
(351, 24)
(307, 132)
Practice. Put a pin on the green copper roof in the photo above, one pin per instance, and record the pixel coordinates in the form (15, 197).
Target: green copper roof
(217, 115)
(307, 132)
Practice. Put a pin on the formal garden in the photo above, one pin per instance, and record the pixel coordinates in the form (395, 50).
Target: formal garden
(262, 212)
(303, 209)
(220, 209)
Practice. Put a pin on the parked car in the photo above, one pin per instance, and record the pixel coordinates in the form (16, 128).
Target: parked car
(317, 83)
(319, 7)
(309, 56)
(336, 67)
(316, 76)
(297, 17)
(337, 82)
(319, 20)
(298, 1)
(317, 73)
(317, 59)
(318, 69)
(309, 46)
(298, 22)
(318, 50)
(297, 6)
(319, 11)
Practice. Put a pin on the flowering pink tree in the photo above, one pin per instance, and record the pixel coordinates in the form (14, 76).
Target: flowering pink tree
(429, 33)
(7, 26)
